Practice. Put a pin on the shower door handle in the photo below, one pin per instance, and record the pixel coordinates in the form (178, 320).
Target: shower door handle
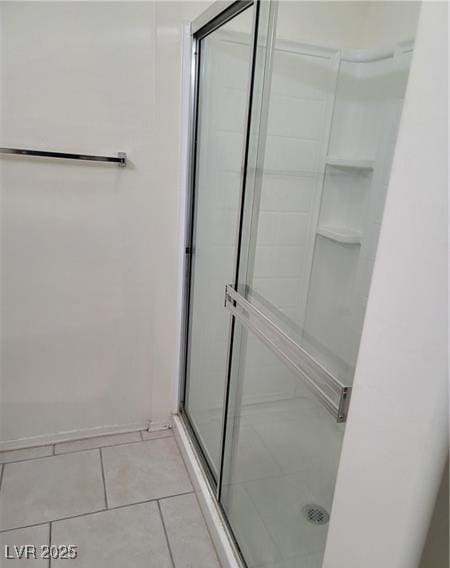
(327, 388)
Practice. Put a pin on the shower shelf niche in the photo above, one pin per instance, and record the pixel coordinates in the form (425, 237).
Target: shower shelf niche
(340, 235)
(355, 164)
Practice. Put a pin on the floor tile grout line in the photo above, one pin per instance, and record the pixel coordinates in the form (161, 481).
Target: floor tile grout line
(103, 477)
(86, 449)
(96, 512)
(165, 533)
(50, 455)
(72, 440)
(109, 446)
(4, 531)
(98, 447)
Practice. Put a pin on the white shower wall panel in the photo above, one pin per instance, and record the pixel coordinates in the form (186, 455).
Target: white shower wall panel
(394, 88)
(289, 193)
(365, 123)
(300, 104)
(362, 91)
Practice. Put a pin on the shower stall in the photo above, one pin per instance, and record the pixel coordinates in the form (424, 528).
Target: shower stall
(294, 119)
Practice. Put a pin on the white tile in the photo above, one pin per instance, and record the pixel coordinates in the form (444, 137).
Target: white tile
(291, 154)
(228, 146)
(157, 434)
(51, 488)
(288, 193)
(270, 381)
(140, 472)
(279, 261)
(223, 231)
(253, 460)
(129, 536)
(272, 411)
(281, 228)
(296, 117)
(320, 479)
(228, 191)
(25, 454)
(232, 57)
(301, 75)
(298, 441)
(233, 105)
(187, 533)
(283, 292)
(257, 354)
(97, 442)
(255, 541)
(279, 502)
(37, 536)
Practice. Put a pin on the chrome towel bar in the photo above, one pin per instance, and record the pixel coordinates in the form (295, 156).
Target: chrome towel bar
(120, 160)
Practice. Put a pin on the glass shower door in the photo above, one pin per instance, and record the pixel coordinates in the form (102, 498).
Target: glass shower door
(321, 142)
(281, 462)
(224, 70)
(294, 143)
(288, 392)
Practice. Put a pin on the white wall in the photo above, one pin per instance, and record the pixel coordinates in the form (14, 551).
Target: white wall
(389, 21)
(436, 550)
(89, 251)
(348, 24)
(334, 24)
(396, 439)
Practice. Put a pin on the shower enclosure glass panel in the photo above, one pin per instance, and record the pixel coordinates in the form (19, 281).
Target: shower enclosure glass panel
(332, 120)
(321, 149)
(296, 133)
(223, 83)
(281, 462)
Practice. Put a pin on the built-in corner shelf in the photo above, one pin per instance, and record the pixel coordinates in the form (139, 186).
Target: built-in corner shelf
(340, 235)
(337, 162)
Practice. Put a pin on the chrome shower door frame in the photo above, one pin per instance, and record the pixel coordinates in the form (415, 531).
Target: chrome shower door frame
(213, 18)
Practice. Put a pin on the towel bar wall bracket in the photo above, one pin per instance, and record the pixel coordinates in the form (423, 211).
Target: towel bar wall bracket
(120, 159)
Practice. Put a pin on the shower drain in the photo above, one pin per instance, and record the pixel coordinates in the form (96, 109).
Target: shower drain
(316, 514)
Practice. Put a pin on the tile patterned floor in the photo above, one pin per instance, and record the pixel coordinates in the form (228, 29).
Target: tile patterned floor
(124, 501)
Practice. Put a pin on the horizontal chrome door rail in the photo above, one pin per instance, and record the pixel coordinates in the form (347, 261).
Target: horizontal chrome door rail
(329, 390)
(120, 159)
